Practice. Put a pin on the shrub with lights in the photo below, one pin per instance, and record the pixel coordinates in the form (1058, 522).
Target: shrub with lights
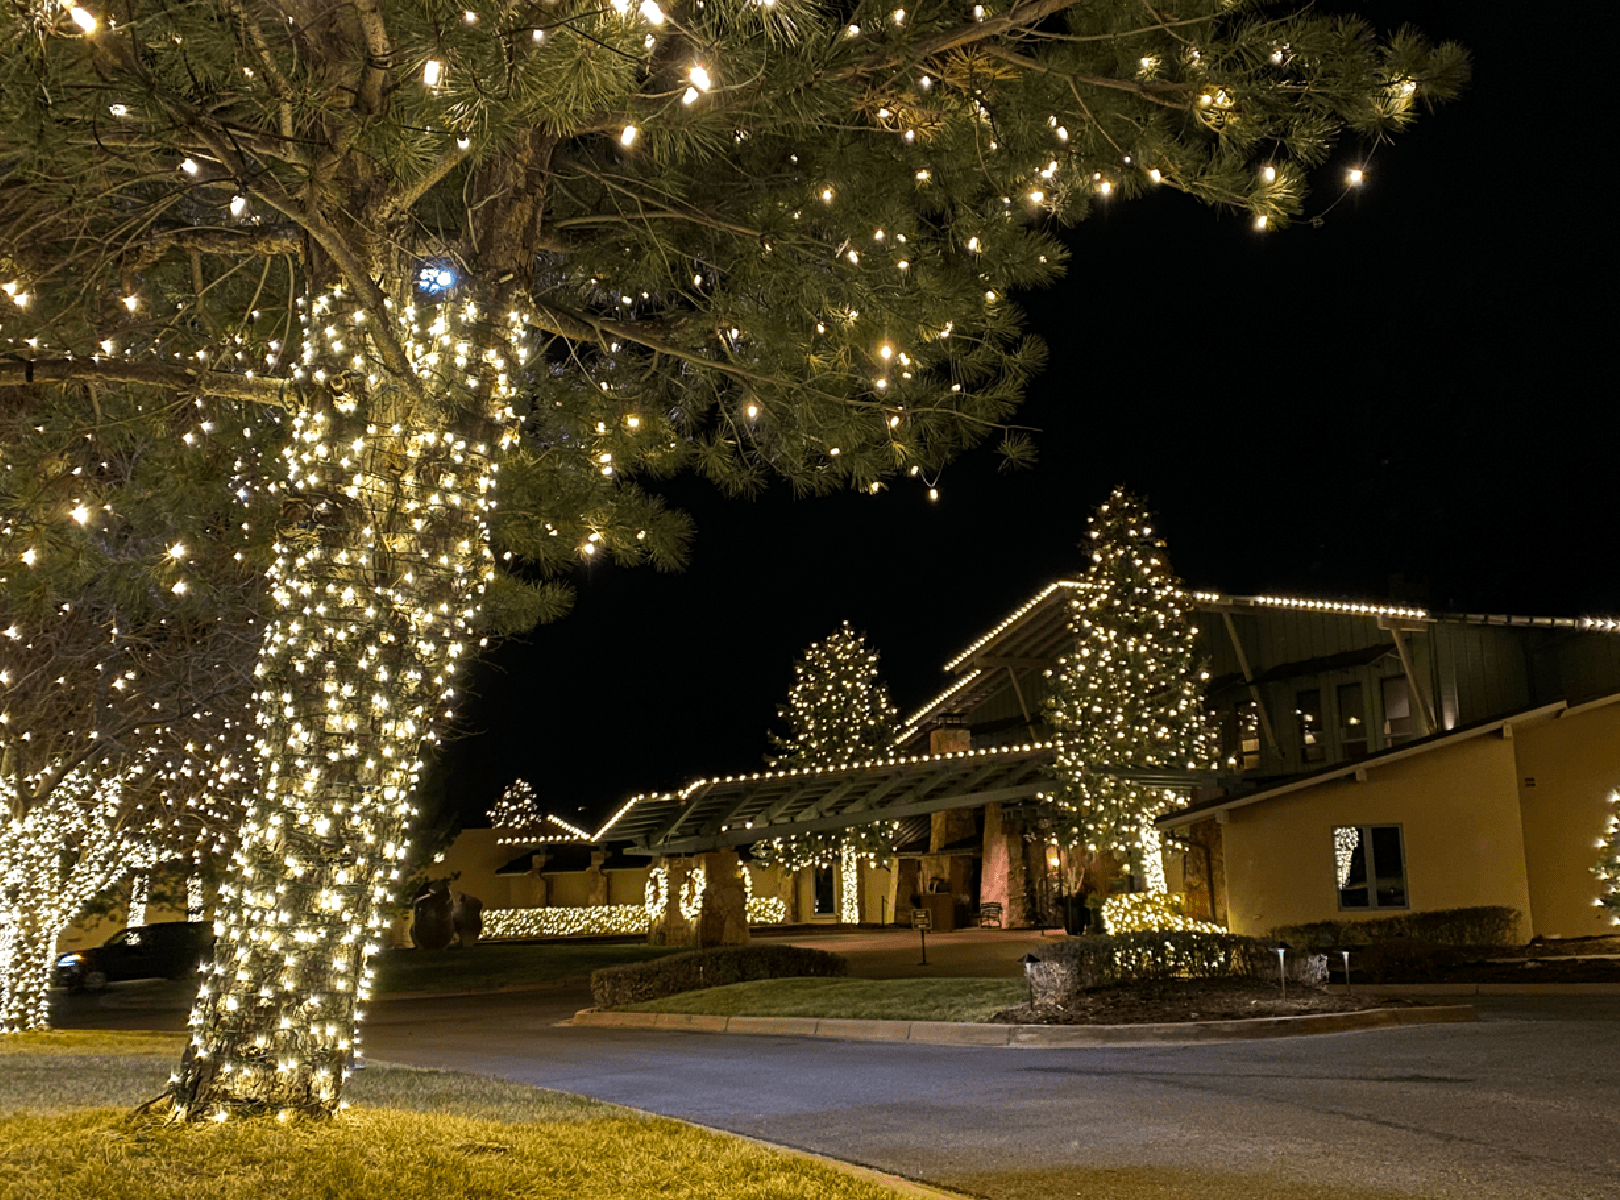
(1608, 867)
(1129, 694)
(567, 248)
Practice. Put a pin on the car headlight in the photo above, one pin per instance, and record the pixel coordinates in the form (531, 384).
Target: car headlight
(70, 960)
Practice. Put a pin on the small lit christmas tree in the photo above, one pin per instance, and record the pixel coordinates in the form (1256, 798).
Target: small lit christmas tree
(517, 808)
(838, 713)
(1131, 692)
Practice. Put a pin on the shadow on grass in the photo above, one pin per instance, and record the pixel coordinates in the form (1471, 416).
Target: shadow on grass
(859, 999)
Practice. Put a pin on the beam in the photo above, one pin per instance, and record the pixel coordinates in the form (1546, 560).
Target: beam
(1010, 661)
(1248, 678)
(741, 837)
(1420, 698)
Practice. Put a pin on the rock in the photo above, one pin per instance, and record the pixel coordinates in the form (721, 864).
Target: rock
(466, 917)
(432, 920)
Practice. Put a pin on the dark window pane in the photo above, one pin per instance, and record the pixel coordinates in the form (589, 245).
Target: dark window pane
(1352, 720)
(1308, 713)
(1248, 723)
(1390, 863)
(1397, 707)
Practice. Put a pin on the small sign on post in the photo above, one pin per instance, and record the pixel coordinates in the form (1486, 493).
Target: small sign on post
(922, 921)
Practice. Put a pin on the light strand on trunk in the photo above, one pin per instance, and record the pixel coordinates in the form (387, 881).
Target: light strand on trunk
(381, 563)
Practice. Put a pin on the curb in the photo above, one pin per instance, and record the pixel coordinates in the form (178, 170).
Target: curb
(962, 1033)
(1478, 989)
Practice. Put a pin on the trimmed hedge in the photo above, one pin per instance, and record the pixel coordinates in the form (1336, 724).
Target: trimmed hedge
(1482, 926)
(631, 983)
(1082, 963)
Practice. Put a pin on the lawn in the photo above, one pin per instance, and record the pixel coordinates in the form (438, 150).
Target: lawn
(490, 965)
(864, 999)
(398, 1142)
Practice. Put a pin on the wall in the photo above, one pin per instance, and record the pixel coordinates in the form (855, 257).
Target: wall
(1575, 763)
(1459, 809)
(475, 854)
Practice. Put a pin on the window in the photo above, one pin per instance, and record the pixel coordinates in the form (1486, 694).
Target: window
(1352, 720)
(1397, 708)
(1308, 712)
(1369, 864)
(1248, 735)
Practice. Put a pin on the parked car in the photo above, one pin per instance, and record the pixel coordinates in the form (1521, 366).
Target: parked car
(168, 949)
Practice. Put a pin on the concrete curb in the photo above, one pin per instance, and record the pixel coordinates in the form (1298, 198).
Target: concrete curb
(952, 1033)
(1477, 989)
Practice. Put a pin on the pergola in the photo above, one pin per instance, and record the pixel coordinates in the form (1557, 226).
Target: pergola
(736, 810)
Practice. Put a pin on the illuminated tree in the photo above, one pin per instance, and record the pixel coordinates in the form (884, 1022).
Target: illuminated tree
(838, 713)
(568, 245)
(517, 808)
(1129, 694)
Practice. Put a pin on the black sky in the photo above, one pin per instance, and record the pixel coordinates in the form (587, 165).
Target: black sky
(1418, 388)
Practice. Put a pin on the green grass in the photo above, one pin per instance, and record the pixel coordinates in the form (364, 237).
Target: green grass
(398, 1142)
(491, 965)
(862, 999)
(93, 1042)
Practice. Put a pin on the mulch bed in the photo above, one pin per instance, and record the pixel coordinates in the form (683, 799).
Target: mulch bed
(1164, 1001)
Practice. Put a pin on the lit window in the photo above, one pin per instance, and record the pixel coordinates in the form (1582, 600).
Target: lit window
(1352, 720)
(1369, 863)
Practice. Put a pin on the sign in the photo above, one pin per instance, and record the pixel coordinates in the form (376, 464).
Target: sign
(922, 919)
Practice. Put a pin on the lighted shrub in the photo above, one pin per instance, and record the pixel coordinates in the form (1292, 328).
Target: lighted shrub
(631, 983)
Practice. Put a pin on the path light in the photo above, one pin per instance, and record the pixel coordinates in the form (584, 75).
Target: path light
(1029, 960)
(1282, 973)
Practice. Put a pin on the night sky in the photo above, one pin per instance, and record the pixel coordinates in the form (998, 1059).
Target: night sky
(1412, 390)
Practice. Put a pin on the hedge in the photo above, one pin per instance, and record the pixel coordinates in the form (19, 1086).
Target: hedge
(631, 983)
(1082, 963)
(1482, 926)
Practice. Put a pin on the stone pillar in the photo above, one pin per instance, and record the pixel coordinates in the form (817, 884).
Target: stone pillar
(596, 880)
(724, 919)
(908, 882)
(673, 929)
(950, 739)
(1001, 877)
(536, 890)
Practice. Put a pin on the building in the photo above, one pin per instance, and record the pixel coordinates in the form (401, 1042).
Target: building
(1477, 751)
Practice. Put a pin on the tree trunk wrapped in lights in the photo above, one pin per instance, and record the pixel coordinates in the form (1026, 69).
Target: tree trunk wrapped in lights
(1129, 694)
(377, 591)
(54, 859)
(755, 240)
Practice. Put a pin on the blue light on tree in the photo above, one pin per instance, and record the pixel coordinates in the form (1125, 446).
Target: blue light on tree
(436, 279)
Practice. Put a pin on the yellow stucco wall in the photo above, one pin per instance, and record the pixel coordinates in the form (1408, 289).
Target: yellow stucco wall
(477, 857)
(1575, 762)
(1458, 807)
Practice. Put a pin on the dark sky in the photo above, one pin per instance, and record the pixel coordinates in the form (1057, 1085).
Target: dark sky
(1413, 389)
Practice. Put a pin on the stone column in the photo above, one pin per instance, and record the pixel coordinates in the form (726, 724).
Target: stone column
(1001, 878)
(596, 880)
(724, 919)
(673, 929)
(537, 893)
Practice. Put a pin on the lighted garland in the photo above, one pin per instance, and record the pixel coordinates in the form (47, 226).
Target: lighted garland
(517, 808)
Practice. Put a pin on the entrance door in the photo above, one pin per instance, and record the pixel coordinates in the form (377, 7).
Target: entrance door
(826, 898)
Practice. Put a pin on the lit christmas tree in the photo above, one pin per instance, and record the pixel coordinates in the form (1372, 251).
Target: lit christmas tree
(565, 246)
(838, 712)
(1129, 694)
(517, 808)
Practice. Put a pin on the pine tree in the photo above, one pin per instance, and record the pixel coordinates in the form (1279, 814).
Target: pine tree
(838, 712)
(517, 808)
(1130, 693)
(571, 247)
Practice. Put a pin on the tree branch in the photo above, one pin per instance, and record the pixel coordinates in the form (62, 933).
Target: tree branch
(272, 392)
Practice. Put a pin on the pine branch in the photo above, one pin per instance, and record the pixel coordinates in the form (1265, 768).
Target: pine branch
(271, 392)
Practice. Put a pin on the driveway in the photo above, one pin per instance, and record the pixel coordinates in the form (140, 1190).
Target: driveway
(1522, 1106)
